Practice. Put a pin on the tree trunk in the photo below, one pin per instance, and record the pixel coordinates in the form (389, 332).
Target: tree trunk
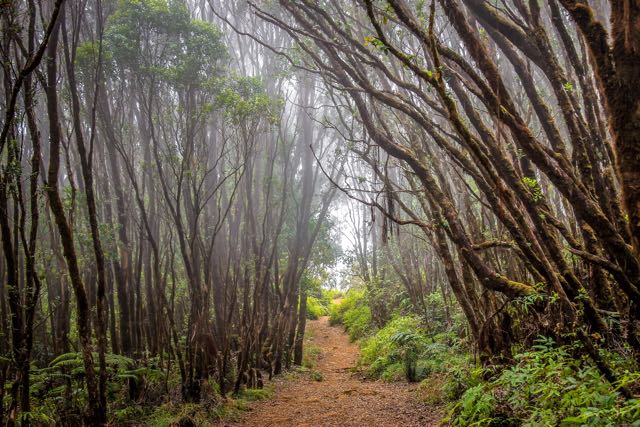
(298, 351)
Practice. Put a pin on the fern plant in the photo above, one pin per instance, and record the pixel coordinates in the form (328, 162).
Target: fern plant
(408, 347)
(550, 385)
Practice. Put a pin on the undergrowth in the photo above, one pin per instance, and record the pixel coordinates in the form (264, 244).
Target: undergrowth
(405, 349)
(206, 413)
(548, 385)
(354, 313)
(319, 302)
(551, 386)
(139, 393)
(316, 307)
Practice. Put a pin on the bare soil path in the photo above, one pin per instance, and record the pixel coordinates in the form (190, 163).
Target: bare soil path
(341, 398)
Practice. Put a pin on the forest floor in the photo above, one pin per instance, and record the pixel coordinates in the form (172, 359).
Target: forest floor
(342, 397)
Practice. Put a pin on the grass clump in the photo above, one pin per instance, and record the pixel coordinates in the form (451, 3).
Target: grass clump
(311, 356)
(317, 376)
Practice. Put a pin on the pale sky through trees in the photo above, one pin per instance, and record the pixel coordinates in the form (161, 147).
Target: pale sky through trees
(207, 203)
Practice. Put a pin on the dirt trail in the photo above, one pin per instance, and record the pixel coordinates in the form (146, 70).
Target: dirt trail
(341, 398)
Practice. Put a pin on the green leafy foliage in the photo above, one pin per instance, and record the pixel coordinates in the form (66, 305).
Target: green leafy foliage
(88, 56)
(404, 350)
(318, 299)
(375, 42)
(549, 385)
(317, 376)
(534, 187)
(354, 313)
(207, 412)
(58, 393)
(158, 37)
(397, 345)
(243, 97)
(316, 308)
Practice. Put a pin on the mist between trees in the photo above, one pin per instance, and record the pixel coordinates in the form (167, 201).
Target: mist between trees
(178, 177)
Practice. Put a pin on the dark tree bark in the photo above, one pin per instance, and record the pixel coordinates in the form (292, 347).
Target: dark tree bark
(97, 414)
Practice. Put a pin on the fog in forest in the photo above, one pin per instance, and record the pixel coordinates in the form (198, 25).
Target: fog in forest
(320, 212)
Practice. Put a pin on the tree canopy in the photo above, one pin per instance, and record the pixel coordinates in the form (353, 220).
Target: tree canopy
(184, 183)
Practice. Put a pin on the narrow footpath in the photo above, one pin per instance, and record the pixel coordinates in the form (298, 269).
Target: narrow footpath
(342, 398)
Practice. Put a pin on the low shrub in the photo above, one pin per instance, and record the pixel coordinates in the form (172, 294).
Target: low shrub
(353, 312)
(358, 322)
(333, 294)
(316, 308)
(553, 386)
(430, 390)
(205, 413)
(399, 344)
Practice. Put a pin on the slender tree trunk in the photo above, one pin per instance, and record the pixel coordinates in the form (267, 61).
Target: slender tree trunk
(298, 351)
(96, 414)
(86, 163)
